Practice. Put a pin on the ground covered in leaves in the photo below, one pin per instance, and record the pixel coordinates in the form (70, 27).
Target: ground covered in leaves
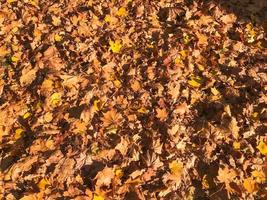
(133, 99)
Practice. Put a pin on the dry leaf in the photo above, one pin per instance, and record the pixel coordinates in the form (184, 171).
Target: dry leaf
(162, 114)
(262, 147)
(105, 177)
(250, 185)
(234, 128)
(28, 76)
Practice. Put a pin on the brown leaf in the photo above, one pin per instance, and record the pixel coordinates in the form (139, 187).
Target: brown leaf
(28, 75)
(226, 175)
(104, 177)
(162, 114)
(111, 118)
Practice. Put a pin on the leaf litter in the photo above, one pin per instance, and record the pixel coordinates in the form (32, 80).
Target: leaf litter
(133, 99)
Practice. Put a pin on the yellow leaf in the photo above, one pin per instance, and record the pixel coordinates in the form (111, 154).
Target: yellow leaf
(33, 2)
(236, 145)
(58, 38)
(200, 67)
(26, 115)
(195, 82)
(55, 99)
(97, 197)
(15, 29)
(186, 38)
(97, 105)
(259, 176)
(250, 185)
(115, 46)
(90, 2)
(107, 18)
(50, 144)
(262, 147)
(43, 183)
(183, 54)
(19, 133)
(142, 110)
(251, 33)
(122, 12)
(14, 59)
(11, 1)
(214, 91)
(118, 173)
(177, 60)
(117, 83)
(110, 19)
(176, 167)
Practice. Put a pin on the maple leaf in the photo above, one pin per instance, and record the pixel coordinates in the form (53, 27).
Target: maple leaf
(162, 114)
(122, 12)
(115, 46)
(111, 118)
(105, 177)
(176, 168)
(250, 185)
(259, 176)
(226, 175)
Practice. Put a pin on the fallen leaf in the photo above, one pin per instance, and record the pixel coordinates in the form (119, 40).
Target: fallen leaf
(115, 46)
(55, 99)
(234, 128)
(259, 176)
(104, 177)
(111, 117)
(162, 114)
(43, 183)
(262, 147)
(28, 76)
(176, 167)
(250, 185)
(122, 12)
